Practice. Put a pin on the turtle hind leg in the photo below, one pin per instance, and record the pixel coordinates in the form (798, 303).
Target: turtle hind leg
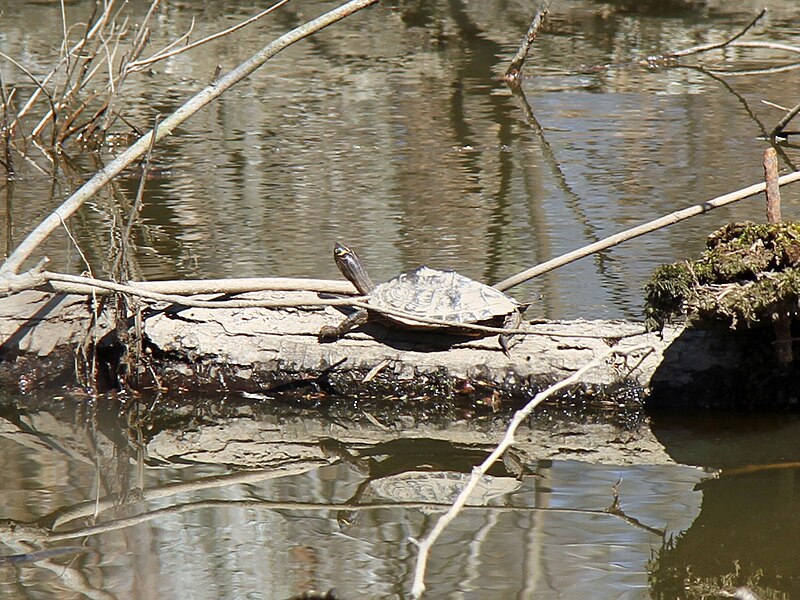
(334, 332)
(507, 340)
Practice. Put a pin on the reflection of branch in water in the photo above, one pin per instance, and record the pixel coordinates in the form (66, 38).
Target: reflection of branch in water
(11, 530)
(574, 201)
(41, 555)
(616, 510)
(88, 508)
(743, 101)
(23, 539)
(715, 45)
(425, 544)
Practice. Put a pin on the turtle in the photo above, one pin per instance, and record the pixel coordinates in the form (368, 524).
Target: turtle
(426, 293)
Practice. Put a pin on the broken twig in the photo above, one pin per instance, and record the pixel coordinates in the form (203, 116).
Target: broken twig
(791, 114)
(514, 72)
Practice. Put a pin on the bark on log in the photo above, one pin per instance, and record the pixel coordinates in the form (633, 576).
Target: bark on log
(268, 351)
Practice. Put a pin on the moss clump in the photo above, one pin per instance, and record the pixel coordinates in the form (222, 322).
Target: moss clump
(748, 273)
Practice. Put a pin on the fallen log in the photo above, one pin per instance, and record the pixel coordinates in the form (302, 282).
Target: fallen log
(275, 351)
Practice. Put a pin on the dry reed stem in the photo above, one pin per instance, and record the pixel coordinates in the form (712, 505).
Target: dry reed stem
(100, 48)
(90, 34)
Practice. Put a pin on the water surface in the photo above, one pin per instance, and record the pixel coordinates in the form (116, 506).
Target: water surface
(390, 131)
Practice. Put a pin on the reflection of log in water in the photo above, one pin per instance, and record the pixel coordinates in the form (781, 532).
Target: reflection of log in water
(404, 466)
(40, 555)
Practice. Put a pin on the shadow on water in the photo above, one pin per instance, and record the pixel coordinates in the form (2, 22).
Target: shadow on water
(744, 534)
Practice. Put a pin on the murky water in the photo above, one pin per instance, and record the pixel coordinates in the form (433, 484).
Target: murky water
(391, 132)
(292, 522)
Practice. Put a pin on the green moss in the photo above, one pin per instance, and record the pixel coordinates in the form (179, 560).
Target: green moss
(748, 273)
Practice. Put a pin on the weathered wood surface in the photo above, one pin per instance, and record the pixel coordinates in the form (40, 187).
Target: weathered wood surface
(258, 349)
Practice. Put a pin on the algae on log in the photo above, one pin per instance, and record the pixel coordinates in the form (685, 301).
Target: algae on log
(273, 351)
(746, 282)
(747, 275)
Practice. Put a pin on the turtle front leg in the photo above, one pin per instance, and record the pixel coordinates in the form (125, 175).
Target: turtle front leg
(334, 332)
(512, 321)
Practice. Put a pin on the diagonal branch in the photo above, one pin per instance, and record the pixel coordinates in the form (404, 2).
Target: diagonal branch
(424, 545)
(633, 232)
(168, 125)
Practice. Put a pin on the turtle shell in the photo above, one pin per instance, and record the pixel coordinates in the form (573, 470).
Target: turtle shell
(442, 295)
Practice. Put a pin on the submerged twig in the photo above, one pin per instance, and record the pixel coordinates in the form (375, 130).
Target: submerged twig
(790, 114)
(124, 243)
(424, 545)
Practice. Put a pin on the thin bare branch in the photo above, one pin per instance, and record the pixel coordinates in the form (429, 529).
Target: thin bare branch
(85, 285)
(767, 46)
(195, 287)
(124, 245)
(514, 71)
(65, 39)
(168, 52)
(750, 72)
(790, 114)
(33, 78)
(628, 234)
(75, 49)
(715, 45)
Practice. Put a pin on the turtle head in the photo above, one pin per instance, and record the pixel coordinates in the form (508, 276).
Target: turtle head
(352, 268)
